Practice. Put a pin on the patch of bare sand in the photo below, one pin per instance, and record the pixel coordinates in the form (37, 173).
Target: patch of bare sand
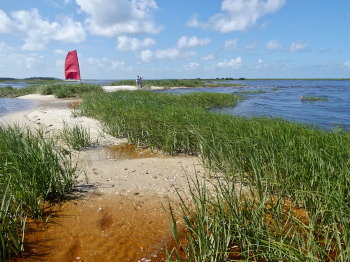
(121, 201)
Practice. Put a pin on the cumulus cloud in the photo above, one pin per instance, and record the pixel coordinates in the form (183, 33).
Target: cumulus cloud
(298, 46)
(6, 24)
(186, 42)
(208, 57)
(114, 17)
(106, 64)
(347, 63)
(237, 15)
(273, 45)
(169, 53)
(39, 31)
(12, 62)
(146, 55)
(234, 63)
(125, 43)
(231, 44)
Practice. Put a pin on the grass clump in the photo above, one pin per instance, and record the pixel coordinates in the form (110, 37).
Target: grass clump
(32, 171)
(76, 136)
(285, 192)
(68, 90)
(9, 91)
(313, 98)
(58, 89)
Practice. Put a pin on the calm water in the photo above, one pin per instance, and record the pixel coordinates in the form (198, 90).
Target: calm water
(282, 99)
(11, 105)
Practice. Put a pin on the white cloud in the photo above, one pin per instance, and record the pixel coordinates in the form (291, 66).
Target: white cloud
(238, 15)
(169, 53)
(273, 45)
(125, 43)
(6, 24)
(146, 55)
(5, 49)
(298, 46)
(185, 42)
(39, 32)
(347, 63)
(106, 64)
(208, 57)
(231, 44)
(261, 64)
(191, 66)
(12, 62)
(114, 17)
(234, 63)
(60, 52)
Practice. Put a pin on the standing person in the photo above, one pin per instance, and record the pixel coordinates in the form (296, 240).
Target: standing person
(140, 83)
(137, 81)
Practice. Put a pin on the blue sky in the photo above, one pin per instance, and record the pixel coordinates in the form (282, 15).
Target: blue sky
(119, 39)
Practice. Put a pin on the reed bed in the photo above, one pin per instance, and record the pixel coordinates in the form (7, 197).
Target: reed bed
(32, 171)
(9, 91)
(68, 90)
(286, 192)
(168, 83)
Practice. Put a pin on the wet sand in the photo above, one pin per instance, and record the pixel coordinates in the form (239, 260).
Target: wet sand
(117, 215)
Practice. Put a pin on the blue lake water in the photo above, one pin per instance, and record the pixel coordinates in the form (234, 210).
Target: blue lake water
(281, 99)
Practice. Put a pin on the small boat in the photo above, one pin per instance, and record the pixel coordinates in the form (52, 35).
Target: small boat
(71, 67)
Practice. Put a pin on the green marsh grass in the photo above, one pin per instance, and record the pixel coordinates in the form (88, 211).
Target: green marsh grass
(9, 91)
(32, 171)
(168, 83)
(68, 90)
(77, 136)
(60, 90)
(286, 192)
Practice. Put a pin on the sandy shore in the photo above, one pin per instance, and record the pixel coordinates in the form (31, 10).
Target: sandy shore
(118, 175)
(134, 171)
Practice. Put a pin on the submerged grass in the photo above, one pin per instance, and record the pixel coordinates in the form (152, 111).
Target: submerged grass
(313, 98)
(32, 171)
(286, 193)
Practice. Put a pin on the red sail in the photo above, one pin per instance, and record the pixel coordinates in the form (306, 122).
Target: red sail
(71, 67)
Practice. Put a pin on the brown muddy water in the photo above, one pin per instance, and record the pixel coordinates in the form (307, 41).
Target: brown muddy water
(129, 151)
(99, 228)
